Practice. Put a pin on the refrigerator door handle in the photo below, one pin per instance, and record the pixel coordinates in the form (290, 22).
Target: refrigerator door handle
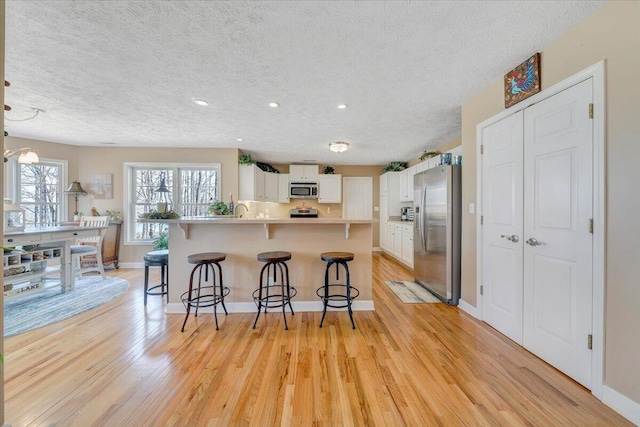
(422, 218)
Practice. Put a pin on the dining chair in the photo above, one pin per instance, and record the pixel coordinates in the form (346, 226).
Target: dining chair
(89, 246)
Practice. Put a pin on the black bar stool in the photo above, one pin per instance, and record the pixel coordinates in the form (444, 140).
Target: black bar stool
(157, 259)
(213, 291)
(337, 300)
(272, 295)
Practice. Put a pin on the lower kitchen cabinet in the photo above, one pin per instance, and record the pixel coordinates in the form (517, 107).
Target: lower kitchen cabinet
(407, 244)
(397, 241)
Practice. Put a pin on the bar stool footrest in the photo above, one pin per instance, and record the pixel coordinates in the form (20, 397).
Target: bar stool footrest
(206, 300)
(150, 291)
(273, 300)
(333, 299)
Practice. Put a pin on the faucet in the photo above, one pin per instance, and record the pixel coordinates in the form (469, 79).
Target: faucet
(235, 210)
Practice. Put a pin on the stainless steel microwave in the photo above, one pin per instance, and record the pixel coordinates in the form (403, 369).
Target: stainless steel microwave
(303, 190)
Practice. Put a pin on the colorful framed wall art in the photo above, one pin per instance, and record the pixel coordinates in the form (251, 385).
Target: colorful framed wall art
(522, 82)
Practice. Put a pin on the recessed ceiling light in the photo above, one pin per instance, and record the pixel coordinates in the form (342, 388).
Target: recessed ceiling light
(342, 106)
(274, 105)
(201, 102)
(239, 139)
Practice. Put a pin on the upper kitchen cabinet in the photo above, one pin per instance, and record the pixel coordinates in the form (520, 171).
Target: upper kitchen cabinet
(283, 188)
(303, 173)
(406, 184)
(389, 182)
(329, 188)
(271, 185)
(251, 183)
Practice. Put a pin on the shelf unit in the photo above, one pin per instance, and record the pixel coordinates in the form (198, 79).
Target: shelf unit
(24, 271)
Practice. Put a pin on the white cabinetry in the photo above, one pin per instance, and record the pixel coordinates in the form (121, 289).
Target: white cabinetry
(397, 240)
(329, 188)
(303, 173)
(251, 183)
(358, 198)
(389, 204)
(283, 188)
(387, 231)
(407, 244)
(270, 186)
(259, 186)
(405, 187)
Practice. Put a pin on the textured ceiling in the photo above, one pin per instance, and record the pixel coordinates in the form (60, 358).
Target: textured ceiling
(126, 72)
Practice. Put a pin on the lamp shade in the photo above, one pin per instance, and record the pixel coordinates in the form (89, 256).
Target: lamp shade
(28, 158)
(75, 188)
(339, 146)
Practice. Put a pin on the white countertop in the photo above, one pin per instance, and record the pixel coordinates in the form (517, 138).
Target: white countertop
(231, 220)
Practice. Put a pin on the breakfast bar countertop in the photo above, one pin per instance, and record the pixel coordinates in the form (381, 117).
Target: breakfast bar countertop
(233, 220)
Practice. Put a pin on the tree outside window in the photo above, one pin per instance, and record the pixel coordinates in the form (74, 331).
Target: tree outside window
(192, 187)
(39, 190)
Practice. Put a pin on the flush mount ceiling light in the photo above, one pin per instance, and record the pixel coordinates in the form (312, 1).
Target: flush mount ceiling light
(201, 102)
(239, 139)
(274, 105)
(339, 146)
(342, 106)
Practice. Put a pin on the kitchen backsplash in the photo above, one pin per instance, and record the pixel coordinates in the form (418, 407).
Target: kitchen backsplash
(281, 210)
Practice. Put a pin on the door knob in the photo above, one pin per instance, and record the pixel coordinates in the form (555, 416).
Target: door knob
(533, 242)
(513, 238)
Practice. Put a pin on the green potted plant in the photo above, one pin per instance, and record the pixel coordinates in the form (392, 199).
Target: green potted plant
(161, 242)
(328, 170)
(245, 159)
(395, 167)
(113, 215)
(218, 208)
(429, 154)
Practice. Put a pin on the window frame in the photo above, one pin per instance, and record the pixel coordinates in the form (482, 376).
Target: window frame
(13, 181)
(176, 189)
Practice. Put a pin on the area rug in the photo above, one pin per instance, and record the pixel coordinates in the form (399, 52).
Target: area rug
(23, 313)
(411, 292)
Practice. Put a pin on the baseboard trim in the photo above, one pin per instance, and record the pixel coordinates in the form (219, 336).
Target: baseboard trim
(249, 307)
(468, 308)
(376, 249)
(621, 404)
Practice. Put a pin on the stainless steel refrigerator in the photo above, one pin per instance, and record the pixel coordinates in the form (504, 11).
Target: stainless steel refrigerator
(437, 223)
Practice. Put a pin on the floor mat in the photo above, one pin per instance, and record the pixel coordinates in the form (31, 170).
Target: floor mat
(411, 292)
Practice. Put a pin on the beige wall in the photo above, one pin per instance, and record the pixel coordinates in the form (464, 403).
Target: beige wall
(611, 34)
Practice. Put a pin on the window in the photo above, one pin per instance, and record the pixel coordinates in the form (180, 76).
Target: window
(191, 189)
(39, 191)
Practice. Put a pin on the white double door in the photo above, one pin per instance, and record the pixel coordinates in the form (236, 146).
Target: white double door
(537, 203)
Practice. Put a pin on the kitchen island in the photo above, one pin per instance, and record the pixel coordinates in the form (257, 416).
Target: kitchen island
(243, 239)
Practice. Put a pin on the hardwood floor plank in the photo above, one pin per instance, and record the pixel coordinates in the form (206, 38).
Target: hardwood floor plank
(405, 364)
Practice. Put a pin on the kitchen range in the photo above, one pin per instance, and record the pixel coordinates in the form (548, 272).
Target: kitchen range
(303, 212)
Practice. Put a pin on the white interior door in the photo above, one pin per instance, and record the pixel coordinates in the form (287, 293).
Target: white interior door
(502, 203)
(558, 206)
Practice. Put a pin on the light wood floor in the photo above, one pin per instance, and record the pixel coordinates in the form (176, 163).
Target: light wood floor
(405, 364)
